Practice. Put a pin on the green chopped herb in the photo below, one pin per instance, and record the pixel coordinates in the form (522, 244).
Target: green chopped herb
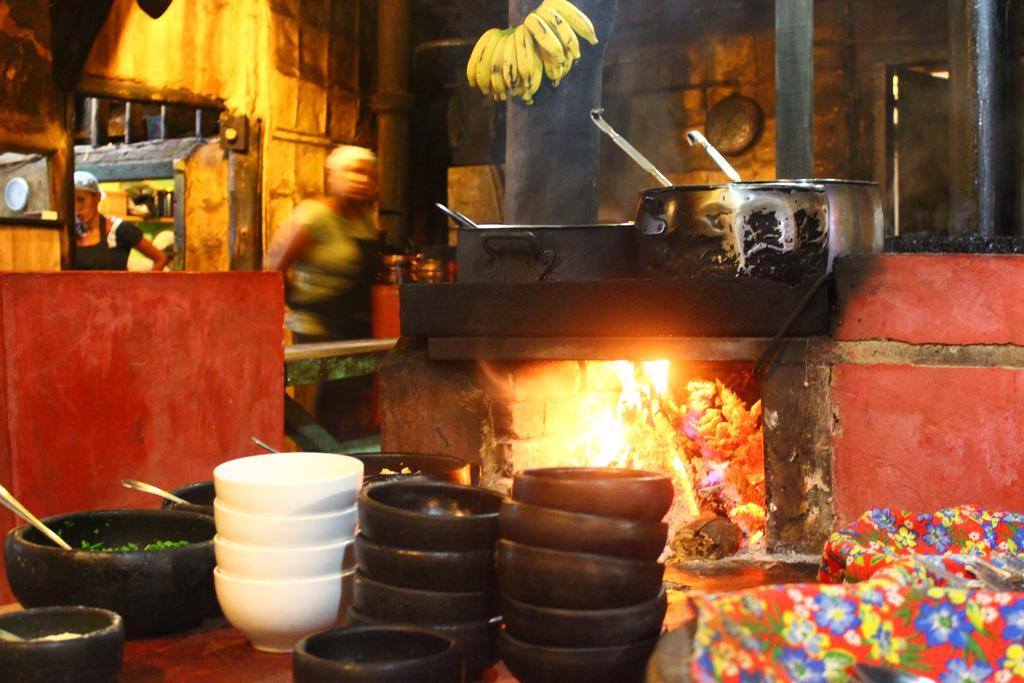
(100, 547)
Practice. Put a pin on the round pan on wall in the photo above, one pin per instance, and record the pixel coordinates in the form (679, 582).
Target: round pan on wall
(734, 124)
(16, 194)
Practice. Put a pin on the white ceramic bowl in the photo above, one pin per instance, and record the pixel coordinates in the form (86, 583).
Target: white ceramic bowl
(274, 614)
(282, 531)
(289, 483)
(261, 562)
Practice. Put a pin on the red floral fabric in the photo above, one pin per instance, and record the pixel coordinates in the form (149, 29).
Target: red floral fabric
(899, 612)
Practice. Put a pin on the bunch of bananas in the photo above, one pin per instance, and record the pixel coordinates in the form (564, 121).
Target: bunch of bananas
(514, 61)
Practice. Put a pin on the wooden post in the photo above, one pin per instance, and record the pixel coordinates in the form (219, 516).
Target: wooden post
(552, 149)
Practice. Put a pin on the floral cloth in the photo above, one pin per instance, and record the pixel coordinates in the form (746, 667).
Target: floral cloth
(899, 614)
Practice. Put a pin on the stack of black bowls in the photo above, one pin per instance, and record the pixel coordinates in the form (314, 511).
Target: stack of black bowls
(425, 557)
(581, 586)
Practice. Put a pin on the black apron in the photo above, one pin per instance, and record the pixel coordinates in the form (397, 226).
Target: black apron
(100, 256)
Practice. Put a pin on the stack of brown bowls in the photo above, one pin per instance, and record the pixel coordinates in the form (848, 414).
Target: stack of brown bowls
(581, 591)
(425, 558)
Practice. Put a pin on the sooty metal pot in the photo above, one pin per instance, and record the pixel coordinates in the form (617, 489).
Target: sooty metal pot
(545, 253)
(782, 230)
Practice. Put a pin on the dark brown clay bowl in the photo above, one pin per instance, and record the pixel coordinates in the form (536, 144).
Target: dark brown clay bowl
(377, 654)
(94, 657)
(606, 492)
(406, 605)
(199, 496)
(436, 467)
(433, 570)
(571, 531)
(584, 628)
(155, 592)
(478, 639)
(539, 664)
(551, 578)
(425, 515)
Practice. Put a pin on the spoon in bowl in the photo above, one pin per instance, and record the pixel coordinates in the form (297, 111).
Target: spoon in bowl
(264, 445)
(137, 485)
(12, 504)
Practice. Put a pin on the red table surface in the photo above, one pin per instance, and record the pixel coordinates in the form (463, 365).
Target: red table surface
(217, 652)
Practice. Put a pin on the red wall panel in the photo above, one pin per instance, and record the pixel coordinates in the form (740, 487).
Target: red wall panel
(158, 377)
(921, 438)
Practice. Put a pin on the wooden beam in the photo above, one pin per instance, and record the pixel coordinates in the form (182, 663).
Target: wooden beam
(129, 90)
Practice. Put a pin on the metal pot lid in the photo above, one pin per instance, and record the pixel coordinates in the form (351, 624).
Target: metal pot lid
(499, 226)
(776, 185)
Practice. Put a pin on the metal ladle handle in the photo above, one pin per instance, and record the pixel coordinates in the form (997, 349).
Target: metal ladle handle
(459, 218)
(137, 485)
(695, 137)
(12, 504)
(597, 116)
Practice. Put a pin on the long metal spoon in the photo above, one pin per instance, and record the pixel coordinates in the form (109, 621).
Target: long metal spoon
(12, 637)
(137, 485)
(597, 116)
(264, 445)
(459, 217)
(695, 137)
(12, 504)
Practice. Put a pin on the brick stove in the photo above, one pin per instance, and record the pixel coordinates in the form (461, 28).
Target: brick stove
(901, 387)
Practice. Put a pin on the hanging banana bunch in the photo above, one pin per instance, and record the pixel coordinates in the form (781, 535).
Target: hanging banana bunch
(513, 62)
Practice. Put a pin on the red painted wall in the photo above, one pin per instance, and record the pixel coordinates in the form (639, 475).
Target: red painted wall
(921, 438)
(158, 377)
(935, 299)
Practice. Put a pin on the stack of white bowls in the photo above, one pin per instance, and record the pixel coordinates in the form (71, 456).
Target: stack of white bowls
(285, 561)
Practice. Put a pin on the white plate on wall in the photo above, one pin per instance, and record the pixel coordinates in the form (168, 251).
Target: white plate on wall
(16, 194)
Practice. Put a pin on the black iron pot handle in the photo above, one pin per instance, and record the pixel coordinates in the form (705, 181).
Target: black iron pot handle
(547, 257)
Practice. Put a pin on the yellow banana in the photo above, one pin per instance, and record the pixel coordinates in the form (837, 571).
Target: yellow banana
(483, 68)
(547, 40)
(498, 89)
(579, 21)
(561, 27)
(524, 47)
(553, 70)
(477, 55)
(536, 78)
(509, 67)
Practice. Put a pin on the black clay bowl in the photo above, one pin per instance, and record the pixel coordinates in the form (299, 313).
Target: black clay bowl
(377, 654)
(425, 515)
(539, 664)
(478, 639)
(155, 592)
(584, 627)
(94, 656)
(406, 605)
(199, 496)
(436, 467)
(572, 531)
(551, 578)
(606, 492)
(433, 570)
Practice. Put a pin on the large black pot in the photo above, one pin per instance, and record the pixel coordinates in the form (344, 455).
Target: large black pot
(544, 253)
(155, 592)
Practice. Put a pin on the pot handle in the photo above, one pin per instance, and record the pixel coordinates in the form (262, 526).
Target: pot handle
(521, 238)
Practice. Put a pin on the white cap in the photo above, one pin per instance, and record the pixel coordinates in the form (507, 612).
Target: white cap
(87, 181)
(344, 156)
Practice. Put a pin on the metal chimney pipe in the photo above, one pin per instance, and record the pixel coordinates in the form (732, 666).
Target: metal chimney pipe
(982, 139)
(393, 104)
(794, 88)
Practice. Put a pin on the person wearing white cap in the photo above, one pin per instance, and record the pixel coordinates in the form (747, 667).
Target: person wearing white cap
(101, 243)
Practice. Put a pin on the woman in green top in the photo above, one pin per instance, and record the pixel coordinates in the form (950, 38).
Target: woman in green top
(330, 252)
